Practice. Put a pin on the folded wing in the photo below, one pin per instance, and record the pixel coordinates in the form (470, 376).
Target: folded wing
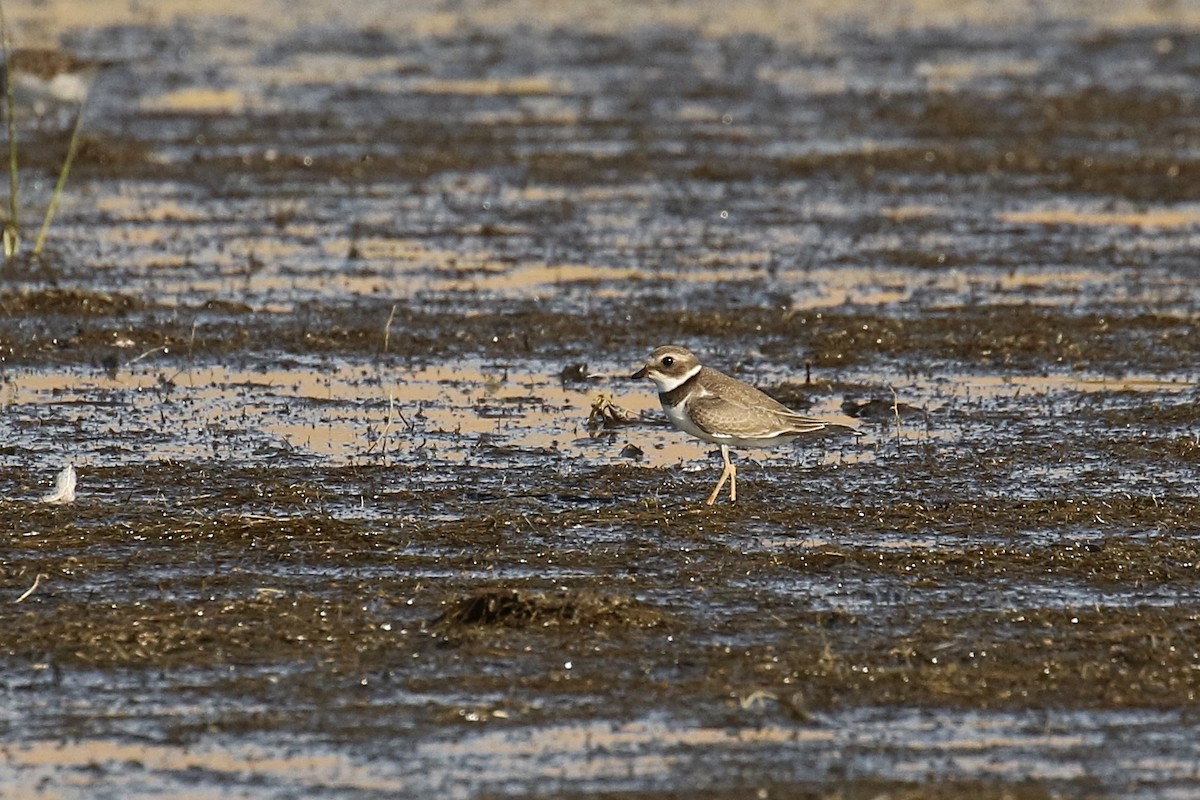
(725, 418)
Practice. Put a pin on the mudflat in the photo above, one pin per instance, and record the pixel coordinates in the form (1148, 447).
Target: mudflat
(335, 325)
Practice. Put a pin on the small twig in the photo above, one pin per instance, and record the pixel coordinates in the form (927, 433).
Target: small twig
(190, 360)
(145, 354)
(387, 328)
(36, 580)
(789, 704)
(896, 413)
(387, 428)
(191, 351)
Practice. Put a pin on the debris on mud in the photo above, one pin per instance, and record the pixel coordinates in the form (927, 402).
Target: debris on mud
(577, 373)
(325, 308)
(880, 409)
(606, 414)
(516, 608)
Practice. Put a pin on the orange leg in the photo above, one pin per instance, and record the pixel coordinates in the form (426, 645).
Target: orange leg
(727, 474)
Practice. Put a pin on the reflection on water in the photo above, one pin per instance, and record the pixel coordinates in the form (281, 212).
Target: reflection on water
(486, 757)
(341, 413)
(711, 157)
(188, 251)
(488, 414)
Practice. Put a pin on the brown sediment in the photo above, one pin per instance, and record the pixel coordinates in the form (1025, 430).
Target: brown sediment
(368, 599)
(339, 357)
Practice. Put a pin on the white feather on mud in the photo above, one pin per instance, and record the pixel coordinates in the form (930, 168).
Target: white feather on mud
(64, 487)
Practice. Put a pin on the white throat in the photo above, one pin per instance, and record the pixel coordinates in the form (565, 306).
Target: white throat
(667, 383)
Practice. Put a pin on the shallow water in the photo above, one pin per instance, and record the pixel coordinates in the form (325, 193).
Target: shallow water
(657, 755)
(310, 330)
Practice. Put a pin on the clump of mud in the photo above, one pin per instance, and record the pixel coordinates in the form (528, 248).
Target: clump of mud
(514, 608)
(70, 302)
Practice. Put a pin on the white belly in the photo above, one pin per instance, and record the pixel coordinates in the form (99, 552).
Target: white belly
(680, 419)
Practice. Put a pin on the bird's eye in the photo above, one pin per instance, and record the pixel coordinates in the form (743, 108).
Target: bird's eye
(667, 361)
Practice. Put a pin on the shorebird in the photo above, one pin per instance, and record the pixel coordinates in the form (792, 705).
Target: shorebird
(712, 406)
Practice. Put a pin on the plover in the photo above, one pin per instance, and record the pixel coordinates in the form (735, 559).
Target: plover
(722, 410)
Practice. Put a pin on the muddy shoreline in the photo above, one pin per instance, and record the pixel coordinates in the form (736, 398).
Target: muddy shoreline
(333, 301)
(57, 326)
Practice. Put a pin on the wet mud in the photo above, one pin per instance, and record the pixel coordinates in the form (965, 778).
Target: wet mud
(336, 326)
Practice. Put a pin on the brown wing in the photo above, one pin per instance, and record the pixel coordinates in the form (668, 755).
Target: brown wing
(735, 418)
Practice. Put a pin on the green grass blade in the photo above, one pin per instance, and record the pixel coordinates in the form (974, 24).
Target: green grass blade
(12, 227)
(72, 148)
